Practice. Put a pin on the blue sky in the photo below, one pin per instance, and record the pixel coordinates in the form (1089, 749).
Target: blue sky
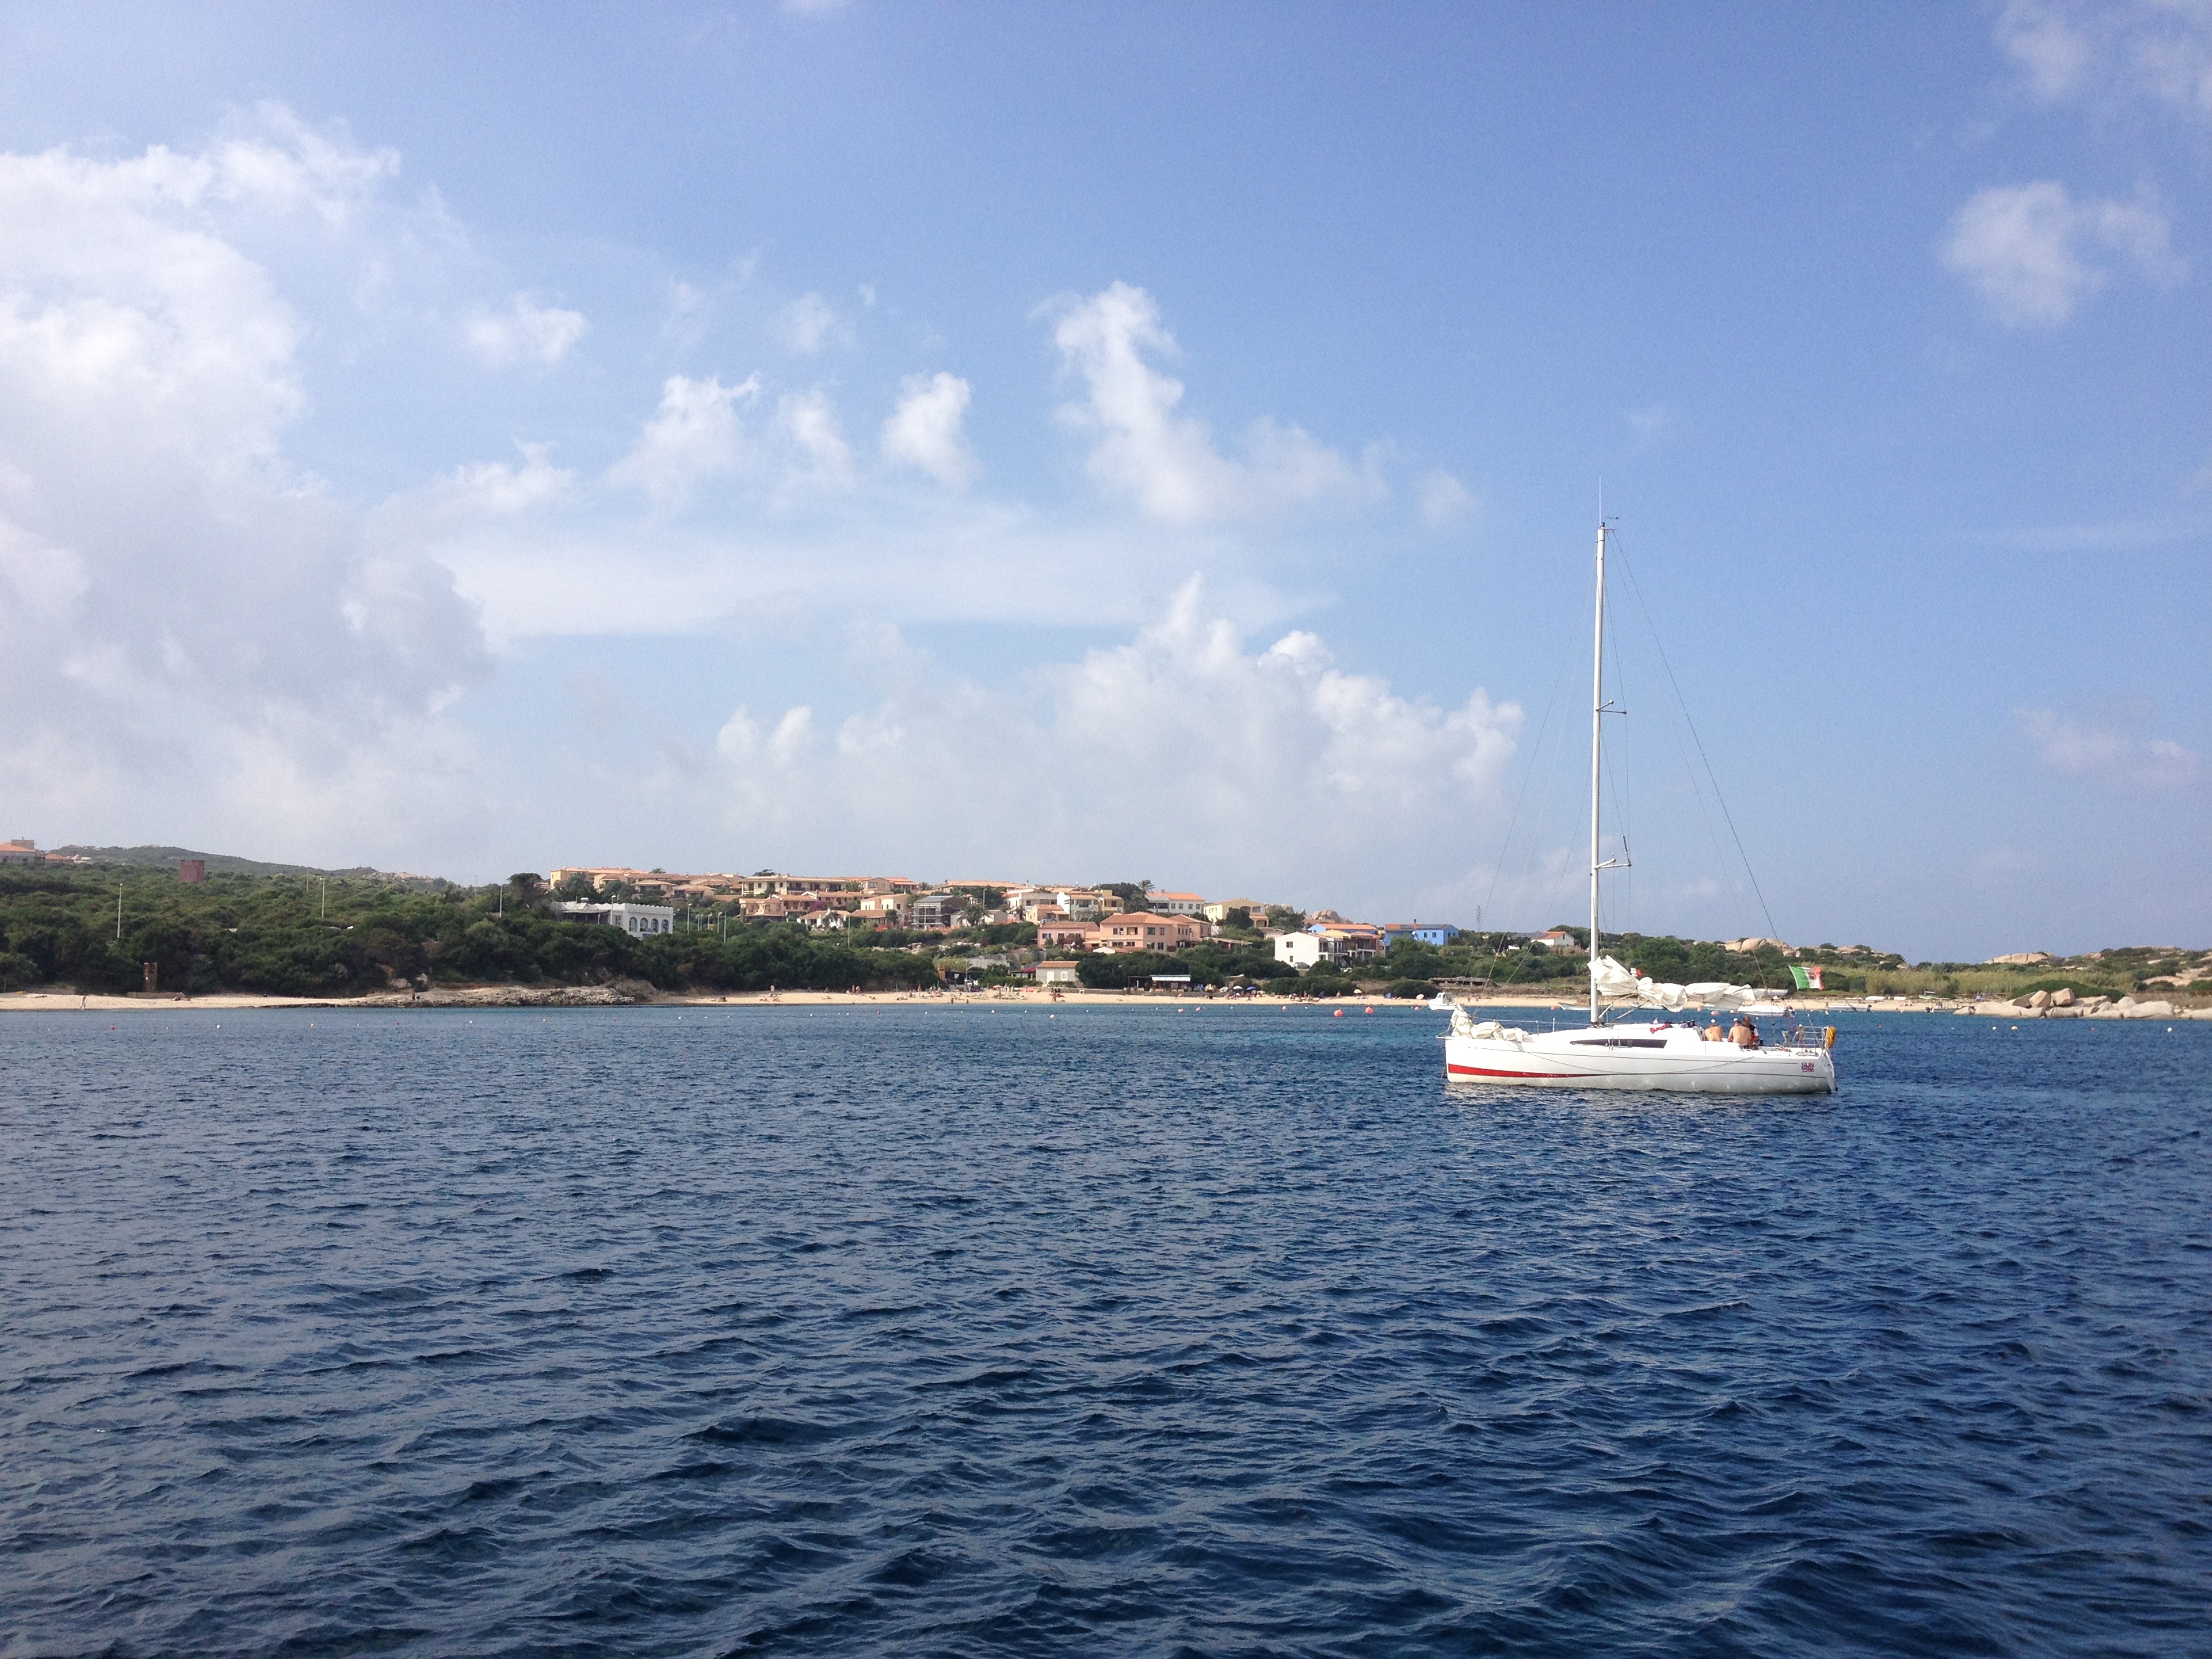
(1142, 441)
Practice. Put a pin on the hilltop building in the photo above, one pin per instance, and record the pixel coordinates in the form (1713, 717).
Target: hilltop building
(639, 920)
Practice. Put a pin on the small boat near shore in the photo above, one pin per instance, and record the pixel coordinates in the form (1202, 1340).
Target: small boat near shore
(1616, 1050)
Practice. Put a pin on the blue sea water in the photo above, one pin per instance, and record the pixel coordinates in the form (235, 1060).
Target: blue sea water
(989, 1331)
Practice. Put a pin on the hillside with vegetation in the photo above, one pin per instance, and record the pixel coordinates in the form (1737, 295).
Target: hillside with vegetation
(290, 930)
(351, 935)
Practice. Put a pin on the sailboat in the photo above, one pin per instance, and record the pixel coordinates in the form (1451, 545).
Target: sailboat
(1616, 1049)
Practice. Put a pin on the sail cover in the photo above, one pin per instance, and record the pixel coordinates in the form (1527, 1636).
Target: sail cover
(1617, 984)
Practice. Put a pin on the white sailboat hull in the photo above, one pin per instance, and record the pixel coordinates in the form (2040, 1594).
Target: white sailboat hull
(1650, 1057)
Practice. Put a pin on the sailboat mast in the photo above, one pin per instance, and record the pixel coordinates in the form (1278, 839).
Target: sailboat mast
(1597, 738)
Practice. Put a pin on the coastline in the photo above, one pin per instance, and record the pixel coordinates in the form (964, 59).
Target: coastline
(511, 996)
(593, 996)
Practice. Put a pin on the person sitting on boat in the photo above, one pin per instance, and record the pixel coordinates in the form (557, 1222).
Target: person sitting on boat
(1745, 1035)
(1713, 1033)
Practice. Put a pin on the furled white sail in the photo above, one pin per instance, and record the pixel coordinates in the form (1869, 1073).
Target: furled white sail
(1614, 983)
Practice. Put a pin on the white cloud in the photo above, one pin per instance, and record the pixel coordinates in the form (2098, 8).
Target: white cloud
(2112, 748)
(925, 430)
(1166, 462)
(526, 332)
(2030, 250)
(482, 489)
(1194, 749)
(2109, 51)
(693, 436)
(740, 742)
(821, 458)
(1445, 500)
(810, 322)
(2051, 49)
(697, 436)
(194, 623)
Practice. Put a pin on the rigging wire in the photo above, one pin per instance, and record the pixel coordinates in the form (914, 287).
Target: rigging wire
(1619, 777)
(1676, 720)
(1682, 703)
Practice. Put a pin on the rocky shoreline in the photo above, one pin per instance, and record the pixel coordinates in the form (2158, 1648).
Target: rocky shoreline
(2043, 1005)
(621, 993)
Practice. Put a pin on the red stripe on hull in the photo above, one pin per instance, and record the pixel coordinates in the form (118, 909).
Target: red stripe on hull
(1477, 1071)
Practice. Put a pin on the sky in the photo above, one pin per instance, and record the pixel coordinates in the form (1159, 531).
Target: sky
(1148, 442)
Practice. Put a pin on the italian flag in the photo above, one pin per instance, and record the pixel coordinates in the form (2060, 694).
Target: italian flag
(1806, 979)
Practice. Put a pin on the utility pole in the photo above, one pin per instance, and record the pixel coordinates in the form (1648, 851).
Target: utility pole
(326, 899)
(118, 909)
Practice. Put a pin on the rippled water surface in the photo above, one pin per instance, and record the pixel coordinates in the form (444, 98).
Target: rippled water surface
(977, 1331)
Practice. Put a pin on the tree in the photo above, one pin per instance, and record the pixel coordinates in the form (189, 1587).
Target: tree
(1112, 971)
(525, 890)
(1662, 958)
(1413, 958)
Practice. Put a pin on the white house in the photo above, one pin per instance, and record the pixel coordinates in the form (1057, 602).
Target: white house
(1175, 904)
(1056, 973)
(1301, 950)
(639, 920)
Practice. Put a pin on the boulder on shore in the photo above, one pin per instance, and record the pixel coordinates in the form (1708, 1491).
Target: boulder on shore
(2040, 999)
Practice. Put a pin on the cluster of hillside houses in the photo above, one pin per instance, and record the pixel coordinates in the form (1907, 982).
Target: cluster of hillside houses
(1070, 920)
